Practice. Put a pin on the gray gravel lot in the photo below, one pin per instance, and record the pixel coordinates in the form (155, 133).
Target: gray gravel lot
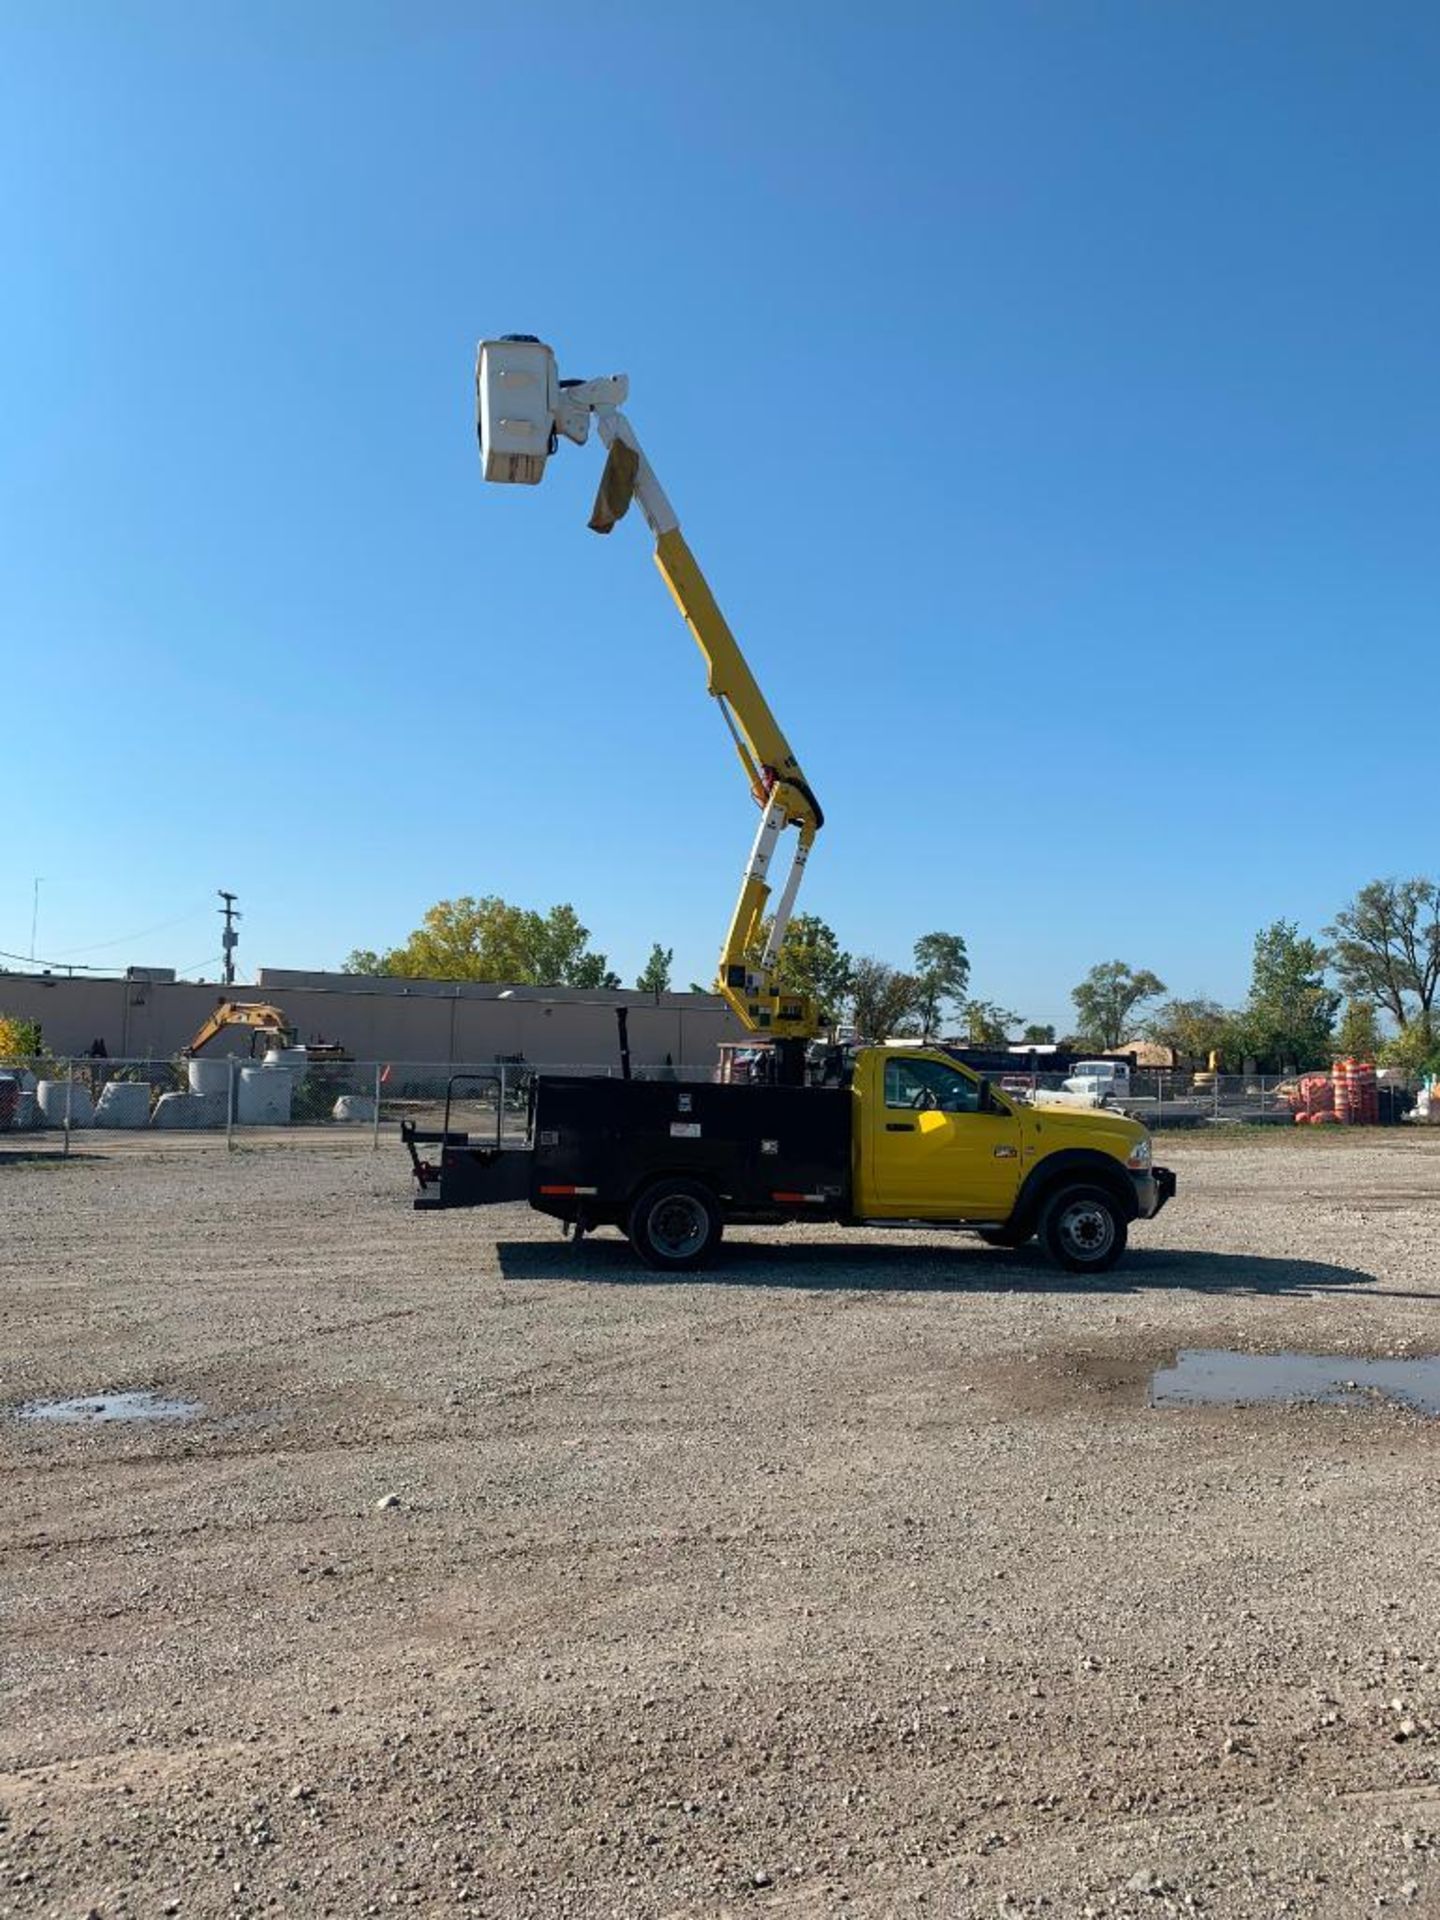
(857, 1577)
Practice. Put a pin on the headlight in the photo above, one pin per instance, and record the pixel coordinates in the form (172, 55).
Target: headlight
(1138, 1158)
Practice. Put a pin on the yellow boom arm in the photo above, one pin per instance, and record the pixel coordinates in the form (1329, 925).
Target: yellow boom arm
(750, 957)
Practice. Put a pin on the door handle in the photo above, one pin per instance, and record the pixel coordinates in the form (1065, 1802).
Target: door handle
(899, 1126)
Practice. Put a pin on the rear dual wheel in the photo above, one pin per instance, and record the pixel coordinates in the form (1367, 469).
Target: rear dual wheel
(675, 1226)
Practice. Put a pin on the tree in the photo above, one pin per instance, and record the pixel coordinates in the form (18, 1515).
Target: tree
(1191, 1029)
(882, 998)
(19, 1039)
(1289, 1018)
(1107, 998)
(988, 1025)
(942, 966)
(589, 971)
(362, 960)
(1387, 949)
(812, 962)
(656, 975)
(1037, 1036)
(1358, 1035)
(489, 939)
(1411, 1050)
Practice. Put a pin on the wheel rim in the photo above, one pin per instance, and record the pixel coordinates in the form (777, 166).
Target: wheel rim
(679, 1226)
(1086, 1230)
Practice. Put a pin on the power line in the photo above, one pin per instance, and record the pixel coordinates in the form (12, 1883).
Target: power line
(29, 961)
(195, 965)
(162, 926)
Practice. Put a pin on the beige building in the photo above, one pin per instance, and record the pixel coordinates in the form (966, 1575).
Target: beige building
(149, 1015)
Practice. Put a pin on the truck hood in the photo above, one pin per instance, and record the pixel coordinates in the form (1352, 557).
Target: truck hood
(1092, 1126)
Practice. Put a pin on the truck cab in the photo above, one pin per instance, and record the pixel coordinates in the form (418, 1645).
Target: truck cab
(932, 1140)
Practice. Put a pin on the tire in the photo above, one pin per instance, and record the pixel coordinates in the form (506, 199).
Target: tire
(675, 1226)
(1084, 1229)
(1007, 1236)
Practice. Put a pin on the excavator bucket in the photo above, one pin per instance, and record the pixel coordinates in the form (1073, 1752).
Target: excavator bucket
(616, 489)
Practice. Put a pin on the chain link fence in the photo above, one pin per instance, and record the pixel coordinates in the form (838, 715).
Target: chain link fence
(1172, 1097)
(235, 1101)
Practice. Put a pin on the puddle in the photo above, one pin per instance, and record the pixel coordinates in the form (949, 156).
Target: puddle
(1210, 1377)
(93, 1408)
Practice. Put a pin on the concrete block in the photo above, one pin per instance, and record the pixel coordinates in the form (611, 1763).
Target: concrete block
(59, 1098)
(123, 1103)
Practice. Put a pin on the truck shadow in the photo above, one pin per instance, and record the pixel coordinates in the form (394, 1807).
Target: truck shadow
(864, 1268)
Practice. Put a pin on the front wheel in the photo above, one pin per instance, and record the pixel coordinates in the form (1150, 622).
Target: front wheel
(675, 1226)
(1084, 1229)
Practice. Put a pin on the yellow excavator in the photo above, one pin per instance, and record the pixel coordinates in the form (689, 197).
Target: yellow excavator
(263, 1020)
(522, 409)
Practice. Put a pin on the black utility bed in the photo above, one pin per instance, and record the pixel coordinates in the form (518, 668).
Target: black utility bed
(595, 1144)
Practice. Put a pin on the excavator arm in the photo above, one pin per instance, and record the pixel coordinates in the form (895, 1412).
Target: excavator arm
(243, 1013)
(522, 409)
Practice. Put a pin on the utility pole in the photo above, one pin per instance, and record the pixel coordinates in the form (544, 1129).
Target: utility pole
(35, 912)
(230, 939)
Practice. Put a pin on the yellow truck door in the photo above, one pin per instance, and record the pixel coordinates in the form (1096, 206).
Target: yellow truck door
(927, 1152)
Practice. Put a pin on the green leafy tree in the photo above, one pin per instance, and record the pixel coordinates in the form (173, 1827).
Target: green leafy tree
(656, 975)
(1192, 1030)
(19, 1039)
(1289, 1019)
(883, 1000)
(988, 1025)
(590, 971)
(1106, 1000)
(362, 960)
(1358, 1035)
(1036, 1035)
(489, 939)
(942, 966)
(1411, 1051)
(813, 962)
(1386, 948)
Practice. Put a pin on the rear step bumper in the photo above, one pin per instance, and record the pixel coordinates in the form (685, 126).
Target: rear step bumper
(464, 1175)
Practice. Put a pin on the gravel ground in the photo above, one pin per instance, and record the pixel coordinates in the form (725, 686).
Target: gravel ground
(858, 1577)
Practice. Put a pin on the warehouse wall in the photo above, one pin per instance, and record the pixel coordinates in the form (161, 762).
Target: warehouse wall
(427, 1020)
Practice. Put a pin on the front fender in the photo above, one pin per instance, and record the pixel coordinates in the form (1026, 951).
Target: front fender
(1071, 1166)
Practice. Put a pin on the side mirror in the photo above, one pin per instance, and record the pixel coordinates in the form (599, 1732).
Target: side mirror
(987, 1103)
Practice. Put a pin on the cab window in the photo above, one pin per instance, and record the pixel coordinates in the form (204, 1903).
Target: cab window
(927, 1084)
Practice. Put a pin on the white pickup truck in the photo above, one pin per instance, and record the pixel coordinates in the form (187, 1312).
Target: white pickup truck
(1100, 1082)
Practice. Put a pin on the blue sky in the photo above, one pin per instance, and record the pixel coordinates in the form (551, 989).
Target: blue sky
(1048, 390)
